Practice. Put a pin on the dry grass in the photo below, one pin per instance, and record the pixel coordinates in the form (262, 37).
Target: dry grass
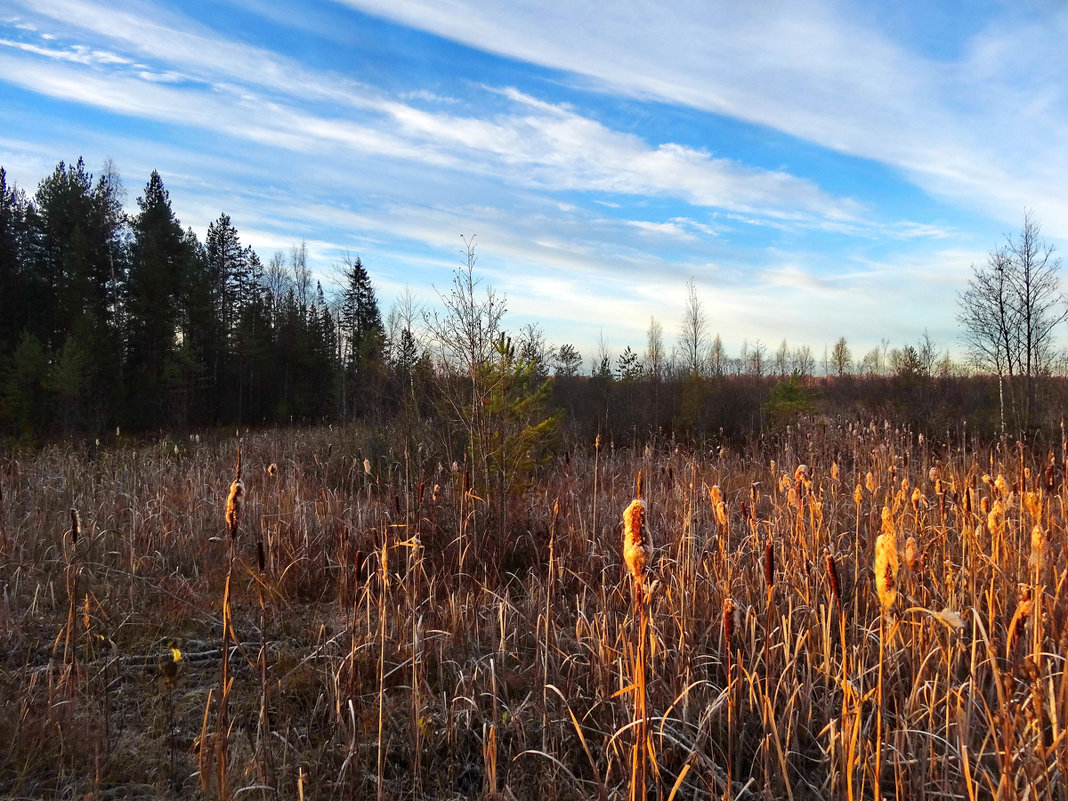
(363, 661)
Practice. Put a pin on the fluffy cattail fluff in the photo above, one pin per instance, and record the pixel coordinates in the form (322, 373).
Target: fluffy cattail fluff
(367, 467)
(1034, 506)
(637, 546)
(886, 564)
(721, 514)
(1037, 560)
(75, 526)
(233, 506)
(1001, 484)
(912, 554)
(272, 470)
(858, 495)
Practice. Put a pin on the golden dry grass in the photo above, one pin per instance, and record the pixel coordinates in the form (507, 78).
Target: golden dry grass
(366, 663)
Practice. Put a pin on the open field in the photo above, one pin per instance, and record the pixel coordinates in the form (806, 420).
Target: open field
(379, 629)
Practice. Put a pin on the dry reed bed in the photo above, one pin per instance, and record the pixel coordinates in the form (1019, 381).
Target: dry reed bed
(390, 647)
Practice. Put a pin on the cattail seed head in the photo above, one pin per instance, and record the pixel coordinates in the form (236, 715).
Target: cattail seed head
(869, 482)
(721, 514)
(886, 566)
(75, 526)
(272, 470)
(637, 546)
(858, 495)
(832, 576)
(769, 564)
(912, 553)
(1001, 484)
(1037, 560)
(233, 506)
(728, 623)
(1034, 506)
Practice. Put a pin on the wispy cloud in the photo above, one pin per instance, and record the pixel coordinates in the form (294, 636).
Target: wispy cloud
(984, 127)
(592, 204)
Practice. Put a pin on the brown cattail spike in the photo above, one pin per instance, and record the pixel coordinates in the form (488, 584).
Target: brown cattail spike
(832, 577)
(233, 505)
(75, 526)
(769, 564)
(637, 546)
(728, 623)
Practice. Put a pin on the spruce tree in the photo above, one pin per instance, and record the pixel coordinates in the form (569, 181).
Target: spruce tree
(160, 265)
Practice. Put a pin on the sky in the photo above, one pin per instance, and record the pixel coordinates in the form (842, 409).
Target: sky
(817, 169)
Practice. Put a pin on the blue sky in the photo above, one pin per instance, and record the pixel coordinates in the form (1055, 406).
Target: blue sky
(820, 169)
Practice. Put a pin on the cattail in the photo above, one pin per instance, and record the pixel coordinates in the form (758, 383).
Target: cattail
(834, 471)
(769, 564)
(858, 495)
(832, 576)
(367, 467)
(714, 495)
(272, 470)
(912, 554)
(261, 557)
(1023, 611)
(637, 546)
(728, 623)
(1001, 485)
(1034, 506)
(995, 519)
(1037, 561)
(721, 514)
(233, 506)
(934, 475)
(886, 564)
(870, 482)
(638, 485)
(75, 526)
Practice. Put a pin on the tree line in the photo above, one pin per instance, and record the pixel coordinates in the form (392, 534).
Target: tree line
(111, 318)
(115, 319)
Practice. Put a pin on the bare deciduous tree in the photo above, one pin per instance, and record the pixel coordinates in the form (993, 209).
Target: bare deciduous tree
(841, 357)
(1009, 313)
(693, 332)
(654, 351)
